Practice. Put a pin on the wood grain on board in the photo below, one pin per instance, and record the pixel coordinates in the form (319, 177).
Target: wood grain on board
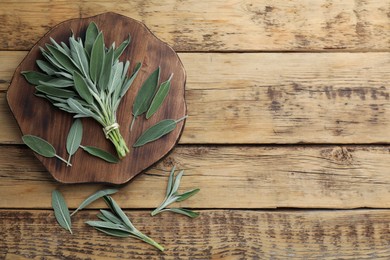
(271, 98)
(229, 177)
(36, 116)
(216, 234)
(219, 24)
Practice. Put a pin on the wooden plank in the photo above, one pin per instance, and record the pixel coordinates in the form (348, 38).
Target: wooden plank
(272, 98)
(229, 177)
(357, 234)
(217, 25)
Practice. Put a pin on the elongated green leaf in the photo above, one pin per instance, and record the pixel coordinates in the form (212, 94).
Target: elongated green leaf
(113, 232)
(185, 212)
(177, 183)
(187, 194)
(39, 145)
(90, 37)
(78, 108)
(46, 67)
(155, 132)
(73, 140)
(115, 79)
(107, 225)
(145, 95)
(61, 210)
(94, 197)
(82, 88)
(55, 92)
(33, 77)
(111, 217)
(103, 218)
(170, 182)
(62, 59)
(119, 212)
(105, 74)
(100, 153)
(51, 59)
(97, 57)
(127, 83)
(78, 55)
(159, 97)
(118, 52)
(59, 47)
(57, 83)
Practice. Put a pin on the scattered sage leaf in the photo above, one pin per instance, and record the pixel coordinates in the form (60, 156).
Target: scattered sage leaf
(107, 225)
(170, 182)
(100, 153)
(177, 183)
(39, 145)
(119, 212)
(159, 98)
(186, 212)
(110, 216)
(73, 140)
(157, 131)
(145, 95)
(187, 194)
(61, 210)
(55, 92)
(113, 232)
(94, 197)
(33, 77)
(90, 37)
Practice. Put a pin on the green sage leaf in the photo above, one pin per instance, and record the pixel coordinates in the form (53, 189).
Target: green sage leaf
(39, 145)
(156, 131)
(118, 52)
(107, 225)
(110, 217)
(62, 59)
(170, 182)
(61, 210)
(46, 67)
(94, 197)
(73, 140)
(119, 212)
(78, 55)
(55, 92)
(90, 37)
(185, 212)
(82, 87)
(57, 83)
(33, 77)
(100, 153)
(159, 97)
(187, 194)
(145, 95)
(105, 74)
(97, 57)
(113, 232)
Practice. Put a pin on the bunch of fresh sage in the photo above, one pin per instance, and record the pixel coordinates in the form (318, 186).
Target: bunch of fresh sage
(86, 79)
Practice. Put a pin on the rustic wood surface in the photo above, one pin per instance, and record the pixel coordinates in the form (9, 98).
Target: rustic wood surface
(288, 135)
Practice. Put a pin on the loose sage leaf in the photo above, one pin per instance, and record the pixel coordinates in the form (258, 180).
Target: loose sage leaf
(156, 131)
(111, 217)
(90, 37)
(113, 232)
(185, 212)
(82, 88)
(39, 145)
(187, 194)
(94, 197)
(119, 212)
(108, 225)
(33, 77)
(177, 182)
(97, 57)
(170, 182)
(57, 83)
(100, 153)
(118, 52)
(145, 95)
(159, 97)
(61, 210)
(73, 140)
(46, 67)
(55, 92)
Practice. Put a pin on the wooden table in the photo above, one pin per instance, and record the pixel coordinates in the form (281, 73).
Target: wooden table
(287, 137)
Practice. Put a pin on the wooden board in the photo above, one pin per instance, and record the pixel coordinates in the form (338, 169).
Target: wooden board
(229, 177)
(38, 117)
(304, 98)
(218, 25)
(218, 234)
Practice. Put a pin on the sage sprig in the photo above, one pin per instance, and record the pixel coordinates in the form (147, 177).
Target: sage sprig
(61, 210)
(172, 196)
(73, 140)
(116, 223)
(157, 131)
(93, 197)
(42, 147)
(145, 95)
(97, 152)
(159, 98)
(86, 79)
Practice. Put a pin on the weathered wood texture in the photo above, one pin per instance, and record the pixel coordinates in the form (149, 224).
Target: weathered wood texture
(271, 98)
(229, 177)
(218, 25)
(359, 234)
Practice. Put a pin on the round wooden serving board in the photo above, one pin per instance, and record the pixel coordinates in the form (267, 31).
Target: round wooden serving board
(38, 117)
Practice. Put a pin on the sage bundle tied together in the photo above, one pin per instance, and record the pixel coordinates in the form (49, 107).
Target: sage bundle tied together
(86, 79)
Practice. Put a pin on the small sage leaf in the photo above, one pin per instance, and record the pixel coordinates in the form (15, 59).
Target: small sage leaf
(159, 97)
(82, 88)
(90, 37)
(61, 210)
(113, 232)
(145, 95)
(39, 145)
(157, 131)
(108, 225)
(33, 77)
(73, 140)
(55, 92)
(100, 154)
(119, 212)
(110, 217)
(118, 52)
(94, 197)
(187, 194)
(185, 212)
